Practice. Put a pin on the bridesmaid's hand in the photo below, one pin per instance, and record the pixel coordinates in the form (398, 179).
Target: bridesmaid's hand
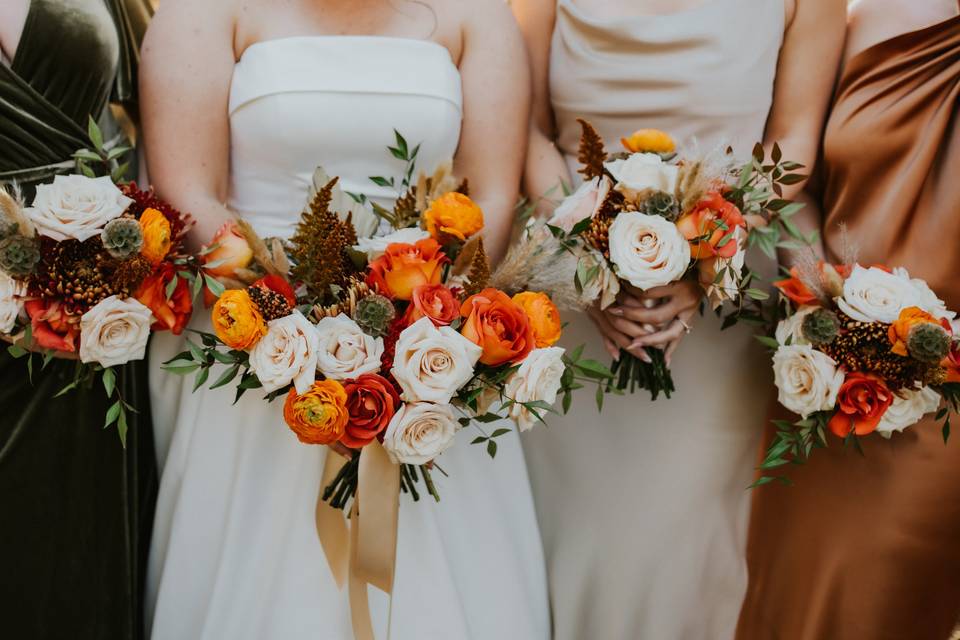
(670, 309)
(618, 333)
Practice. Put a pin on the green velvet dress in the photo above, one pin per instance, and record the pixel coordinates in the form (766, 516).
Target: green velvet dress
(76, 508)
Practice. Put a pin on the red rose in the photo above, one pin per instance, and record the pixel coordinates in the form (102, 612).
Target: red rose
(433, 301)
(172, 314)
(371, 403)
(52, 328)
(861, 403)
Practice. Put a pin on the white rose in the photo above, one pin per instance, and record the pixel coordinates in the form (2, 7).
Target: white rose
(432, 363)
(376, 246)
(420, 432)
(908, 408)
(926, 298)
(792, 327)
(643, 172)
(114, 331)
(582, 203)
(605, 285)
(287, 353)
(807, 380)
(728, 286)
(12, 292)
(344, 351)
(648, 251)
(537, 380)
(874, 295)
(76, 207)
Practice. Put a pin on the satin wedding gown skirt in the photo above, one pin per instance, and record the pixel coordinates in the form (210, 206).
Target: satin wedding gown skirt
(235, 551)
(643, 508)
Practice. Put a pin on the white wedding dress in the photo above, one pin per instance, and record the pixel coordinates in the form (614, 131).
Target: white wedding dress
(235, 551)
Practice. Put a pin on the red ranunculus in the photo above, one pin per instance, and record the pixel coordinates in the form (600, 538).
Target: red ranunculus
(172, 314)
(861, 403)
(52, 328)
(371, 403)
(433, 301)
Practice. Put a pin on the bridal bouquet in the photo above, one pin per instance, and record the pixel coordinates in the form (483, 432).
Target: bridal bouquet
(90, 269)
(394, 338)
(860, 351)
(648, 217)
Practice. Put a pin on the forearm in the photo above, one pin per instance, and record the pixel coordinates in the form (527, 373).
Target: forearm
(545, 170)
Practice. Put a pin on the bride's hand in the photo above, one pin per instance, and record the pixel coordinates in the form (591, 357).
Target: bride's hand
(671, 308)
(618, 333)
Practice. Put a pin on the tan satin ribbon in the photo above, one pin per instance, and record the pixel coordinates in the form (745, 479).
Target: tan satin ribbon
(364, 554)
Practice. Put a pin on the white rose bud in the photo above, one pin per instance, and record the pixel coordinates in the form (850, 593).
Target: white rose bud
(432, 363)
(807, 380)
(537, 380)
(377, 246)
(792, 327)
(114, 331)
(287, 353)
(874, 295)
(643, 172)
(648, 251)
(582, 203)
(420, 432)
(12, 292)
(908, 409)
(344, 351)
(76, 207)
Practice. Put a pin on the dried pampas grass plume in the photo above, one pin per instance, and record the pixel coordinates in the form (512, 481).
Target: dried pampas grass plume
(808, 271)
(848, 248)
(11, 208)
(429, 188)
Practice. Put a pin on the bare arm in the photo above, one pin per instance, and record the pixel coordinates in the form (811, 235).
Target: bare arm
(188, 60)
(545, 167)
(496, 99)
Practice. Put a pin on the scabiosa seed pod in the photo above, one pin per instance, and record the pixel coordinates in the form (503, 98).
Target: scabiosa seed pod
(820, 327)
(928, 342)
(19, 255)
(122, 237)
(661, 204)
(374, 315)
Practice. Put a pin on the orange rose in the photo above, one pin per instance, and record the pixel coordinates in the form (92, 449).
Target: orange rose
(543, 315)
(453, 214)
(237, 321)
(433, 301)
(404, 267)
(649, 141)
(156, 236)
(499, 325)
(231, 253)
(709, 227)
(371, 403)
(318, 416)
(861, 403)
(172, 313)
(900, 329)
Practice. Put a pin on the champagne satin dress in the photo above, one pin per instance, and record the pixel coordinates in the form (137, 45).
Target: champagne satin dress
(643, 509)
(866, 547)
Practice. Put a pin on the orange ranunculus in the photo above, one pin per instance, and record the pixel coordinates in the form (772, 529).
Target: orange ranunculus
(794, 288)
(831, 279)
(237, 321)
(318, 416)
(709, 227)
(433, 301)
(172, 313)
(899, 331)
(543, 315)
(231, 253)
(404, 267)
(499, 325)
(157, 238)
(453, 214)
(371, 403)
(861, 403)
(649, 141)
(51, 327)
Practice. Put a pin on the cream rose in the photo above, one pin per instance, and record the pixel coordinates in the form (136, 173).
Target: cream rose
(807, 380)
(376, 246)
(582, 203)
(791, 327)
(647, 251)
(604, 286)
(907, 409)
(727, 287)
(287, 353)
(432, 363)
(12, 292)
(643, 172)
(76, 207)
(420, 432)
(344, 351)
(537, 380)
(874, 295)
(114, 331)
(925, 297)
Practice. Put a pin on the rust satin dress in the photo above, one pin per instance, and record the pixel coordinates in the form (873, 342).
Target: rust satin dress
(868, 548)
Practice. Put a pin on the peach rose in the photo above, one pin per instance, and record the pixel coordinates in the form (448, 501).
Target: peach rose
(499, 326)
(433, 301)
(543, 315)
(710, 226)
(861, 403)
(318, 416)
(231, 253)
(157, 238)
(649, 141)
(899, 331)
(237, 321)
(453, 214)
(404, 267)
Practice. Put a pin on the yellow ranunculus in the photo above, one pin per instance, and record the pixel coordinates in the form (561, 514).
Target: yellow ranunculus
(237, 321)
(543, 315)
(156, 236)
(649, 141)
(320, 415)
(453, 214)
